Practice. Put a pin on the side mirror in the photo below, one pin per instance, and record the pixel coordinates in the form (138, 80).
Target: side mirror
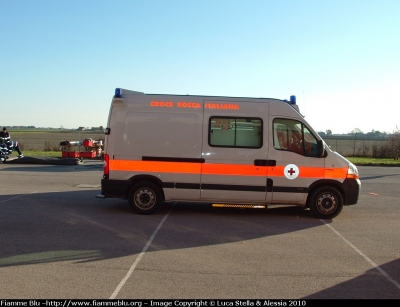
(320, 148)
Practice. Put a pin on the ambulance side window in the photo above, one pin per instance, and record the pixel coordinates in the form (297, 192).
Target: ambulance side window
(292, 135)
(235, 132)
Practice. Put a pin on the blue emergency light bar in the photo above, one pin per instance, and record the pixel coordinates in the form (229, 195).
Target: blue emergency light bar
(292, 99)
(118, 92)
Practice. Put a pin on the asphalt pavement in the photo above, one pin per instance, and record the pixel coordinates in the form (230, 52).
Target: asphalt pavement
(59, 241)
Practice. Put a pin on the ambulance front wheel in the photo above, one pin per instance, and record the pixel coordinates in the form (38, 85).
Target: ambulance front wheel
(326, 202)
(145, 197)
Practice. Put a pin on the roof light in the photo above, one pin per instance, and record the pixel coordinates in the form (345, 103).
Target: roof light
(292, 99)
(118, 92)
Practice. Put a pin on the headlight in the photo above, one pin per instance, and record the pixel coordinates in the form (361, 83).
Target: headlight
(352, 172)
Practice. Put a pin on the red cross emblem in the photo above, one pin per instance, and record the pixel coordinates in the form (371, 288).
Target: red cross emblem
(291, 171)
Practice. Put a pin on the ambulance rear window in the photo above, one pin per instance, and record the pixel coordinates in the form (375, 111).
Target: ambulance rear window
(235, 132)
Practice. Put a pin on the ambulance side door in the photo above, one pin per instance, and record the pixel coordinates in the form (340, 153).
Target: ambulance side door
(235, 152)
(294, 148)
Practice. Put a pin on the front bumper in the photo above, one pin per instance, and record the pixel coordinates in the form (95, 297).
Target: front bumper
(351, 188)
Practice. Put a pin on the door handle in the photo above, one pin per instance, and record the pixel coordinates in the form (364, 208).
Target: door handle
(260, 162)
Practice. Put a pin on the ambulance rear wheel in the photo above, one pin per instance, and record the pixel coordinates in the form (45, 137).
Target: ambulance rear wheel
(145, 197)
(326, 202)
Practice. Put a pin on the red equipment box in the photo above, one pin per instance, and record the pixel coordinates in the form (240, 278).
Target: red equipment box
(70, 154)
(88, 154)
(87, 142)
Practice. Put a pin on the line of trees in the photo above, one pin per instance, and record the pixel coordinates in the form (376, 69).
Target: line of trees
(389, 150)
(394, 145)
(100, 128)
(357, 132)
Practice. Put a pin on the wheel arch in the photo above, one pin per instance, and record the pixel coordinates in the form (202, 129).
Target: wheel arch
(140, 178)
(325, 182)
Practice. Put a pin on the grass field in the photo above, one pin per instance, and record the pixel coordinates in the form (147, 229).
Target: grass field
(374, 161)
(36, 153)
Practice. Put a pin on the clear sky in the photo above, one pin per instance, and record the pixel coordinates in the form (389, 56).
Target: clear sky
(60, 61)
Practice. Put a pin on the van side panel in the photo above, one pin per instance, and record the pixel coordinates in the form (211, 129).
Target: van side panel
(150, 141)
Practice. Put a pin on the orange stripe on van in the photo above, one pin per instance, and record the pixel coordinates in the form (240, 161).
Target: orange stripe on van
(337, 172)
(305, 171)
(223, 169)
(155, 166)
(233, 169)
(311, 172)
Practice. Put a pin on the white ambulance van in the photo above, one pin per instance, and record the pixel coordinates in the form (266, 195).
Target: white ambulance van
(227, 151)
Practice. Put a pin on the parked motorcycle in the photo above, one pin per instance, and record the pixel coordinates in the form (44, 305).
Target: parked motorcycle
(6, 148)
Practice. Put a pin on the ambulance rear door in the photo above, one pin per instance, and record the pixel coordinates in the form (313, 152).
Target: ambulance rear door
(234, 151)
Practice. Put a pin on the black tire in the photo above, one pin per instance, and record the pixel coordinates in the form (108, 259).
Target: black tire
(326, 202)
(145, 197)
